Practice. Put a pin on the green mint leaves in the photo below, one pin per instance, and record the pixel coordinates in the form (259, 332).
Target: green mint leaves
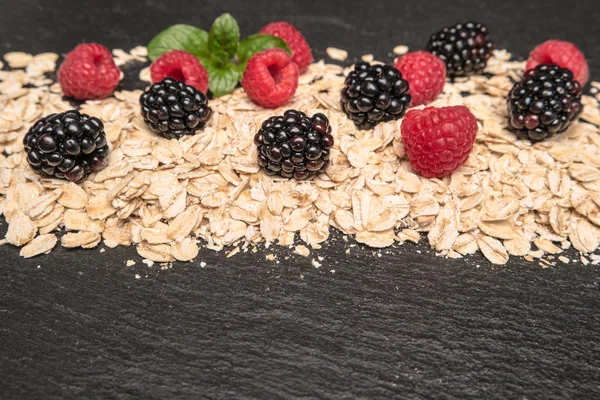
(220, 50)
(222, 79)
(180, 37)
(223, 38)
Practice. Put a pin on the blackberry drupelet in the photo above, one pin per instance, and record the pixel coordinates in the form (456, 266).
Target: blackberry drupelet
(545, 102)
(294, 146)
(464, 48)
(374, 94)
(173, 109)
(68, 146)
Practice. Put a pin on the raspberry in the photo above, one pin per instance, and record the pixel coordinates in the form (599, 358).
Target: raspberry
(271, 78)
(301, 53)
(425, 73)
(561, 53)
(181, 66)
(438, 140)
(88, 72)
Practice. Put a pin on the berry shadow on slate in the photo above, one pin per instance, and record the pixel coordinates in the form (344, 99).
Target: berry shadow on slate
(545, 102)
(294, 145)
(173, 109)
(374, 94)
(69, 146)
(464, 48)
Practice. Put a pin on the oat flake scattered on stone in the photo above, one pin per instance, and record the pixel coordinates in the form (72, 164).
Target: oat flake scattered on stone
(337, 54)
(169, 198)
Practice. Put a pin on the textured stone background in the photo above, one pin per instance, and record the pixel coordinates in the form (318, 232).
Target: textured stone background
(404, 324)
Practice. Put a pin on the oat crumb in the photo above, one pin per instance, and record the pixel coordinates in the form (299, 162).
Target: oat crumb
(130, 263)
(337, 54)
(400, 50)
(233, 252)
(367, 58)
(584, 260)
(302, 250)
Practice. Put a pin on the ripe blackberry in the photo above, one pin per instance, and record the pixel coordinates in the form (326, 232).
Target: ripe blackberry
(544, 102)
(464, 48)
(174, 109)
(68, 145)
(374, 94)
(294, 145)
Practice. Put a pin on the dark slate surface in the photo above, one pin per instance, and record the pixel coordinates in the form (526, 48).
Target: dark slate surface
(398, 323)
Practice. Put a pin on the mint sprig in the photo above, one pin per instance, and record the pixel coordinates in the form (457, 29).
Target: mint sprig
(223, 38)
(180, 37)
(222, 79)
(220, 50)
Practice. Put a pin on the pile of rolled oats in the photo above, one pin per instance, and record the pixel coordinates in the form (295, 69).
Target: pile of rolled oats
(169, 197)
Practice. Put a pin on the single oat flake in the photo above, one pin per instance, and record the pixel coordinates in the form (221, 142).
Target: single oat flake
(337, 54)
(171, 198)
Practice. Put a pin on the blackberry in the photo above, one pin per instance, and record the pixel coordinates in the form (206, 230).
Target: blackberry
(294, 146)
(374, 94)
(68, 145)
(545, 102)
(464, 48)
(173, 109)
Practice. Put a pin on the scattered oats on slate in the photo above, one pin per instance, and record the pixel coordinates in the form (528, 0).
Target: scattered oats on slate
(169, 197)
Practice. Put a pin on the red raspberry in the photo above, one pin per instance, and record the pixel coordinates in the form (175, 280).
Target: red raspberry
(271, 78)
(182, 66)
(88, 72)
(425, 73)
(438, 140)
(301, 53)
(561, 53)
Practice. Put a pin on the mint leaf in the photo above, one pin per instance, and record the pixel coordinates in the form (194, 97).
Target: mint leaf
(180, 37)
(223, 38)
(222, 79)
(257, 43)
